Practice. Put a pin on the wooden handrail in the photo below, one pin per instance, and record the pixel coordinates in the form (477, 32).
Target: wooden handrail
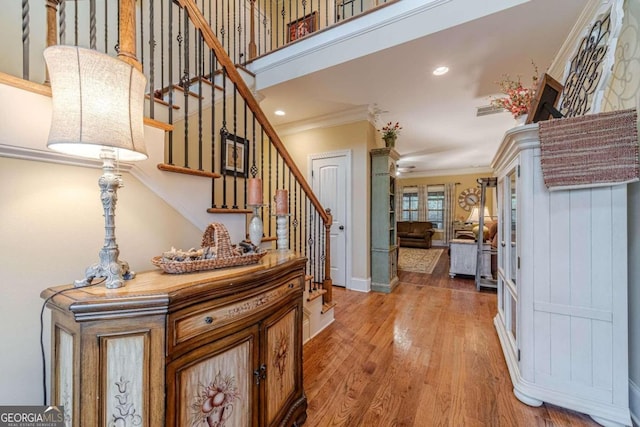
(127, 34)
(201, 24)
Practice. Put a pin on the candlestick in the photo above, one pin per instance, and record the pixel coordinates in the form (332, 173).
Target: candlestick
(282, 202)
(255, 228)
(281, 232)
(255, 192)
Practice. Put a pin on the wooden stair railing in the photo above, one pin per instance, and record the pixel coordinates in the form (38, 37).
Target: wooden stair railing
(196, 57)
(230, 71)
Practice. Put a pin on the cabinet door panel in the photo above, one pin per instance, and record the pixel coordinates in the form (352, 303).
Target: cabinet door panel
(213, 385)
(280, 347)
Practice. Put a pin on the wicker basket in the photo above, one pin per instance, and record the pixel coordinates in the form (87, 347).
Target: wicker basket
(215, 236)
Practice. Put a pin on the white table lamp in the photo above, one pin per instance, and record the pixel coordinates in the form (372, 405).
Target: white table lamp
(98, 104)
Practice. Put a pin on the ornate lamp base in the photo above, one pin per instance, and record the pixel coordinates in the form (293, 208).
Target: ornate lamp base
(113, 270)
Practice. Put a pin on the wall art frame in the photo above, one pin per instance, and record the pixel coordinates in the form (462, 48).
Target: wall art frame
(234, 155)
(302, 26)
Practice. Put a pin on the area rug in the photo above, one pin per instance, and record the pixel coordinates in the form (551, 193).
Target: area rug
(418, 260)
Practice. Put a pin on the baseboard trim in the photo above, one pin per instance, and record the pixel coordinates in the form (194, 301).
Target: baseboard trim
(360, 285)
(634, 402)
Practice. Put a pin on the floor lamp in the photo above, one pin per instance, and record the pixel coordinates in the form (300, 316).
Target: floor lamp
(97, 104)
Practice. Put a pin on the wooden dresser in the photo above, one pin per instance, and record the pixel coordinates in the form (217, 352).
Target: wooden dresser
(215, 348)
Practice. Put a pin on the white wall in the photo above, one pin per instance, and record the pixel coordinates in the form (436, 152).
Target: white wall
(51, 227)
(355, 137)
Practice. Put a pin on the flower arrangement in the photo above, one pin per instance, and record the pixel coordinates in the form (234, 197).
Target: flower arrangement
(390, 130)
(518, 97)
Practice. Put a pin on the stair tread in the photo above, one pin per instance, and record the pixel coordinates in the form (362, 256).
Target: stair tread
(195, 95)
(162, 102)
(187, 171)
(327, 306)
(315, 294)
(230, 211)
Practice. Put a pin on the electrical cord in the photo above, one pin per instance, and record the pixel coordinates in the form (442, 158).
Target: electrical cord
(44, 362)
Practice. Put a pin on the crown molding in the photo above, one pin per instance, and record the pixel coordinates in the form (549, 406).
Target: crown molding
(351, 115)
(447, 172)
(22, 153)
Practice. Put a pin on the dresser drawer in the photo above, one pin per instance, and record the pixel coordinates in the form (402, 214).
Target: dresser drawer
(187, 324)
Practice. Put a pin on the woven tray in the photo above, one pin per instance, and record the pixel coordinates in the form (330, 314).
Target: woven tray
(215, 236)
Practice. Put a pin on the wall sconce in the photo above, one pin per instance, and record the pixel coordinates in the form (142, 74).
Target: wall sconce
(98, 106)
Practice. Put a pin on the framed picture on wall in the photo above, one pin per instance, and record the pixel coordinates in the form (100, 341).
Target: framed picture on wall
(234, 155)
(303, 26)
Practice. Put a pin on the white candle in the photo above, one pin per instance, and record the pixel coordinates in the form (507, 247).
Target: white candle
(282, 202)
(255, 191)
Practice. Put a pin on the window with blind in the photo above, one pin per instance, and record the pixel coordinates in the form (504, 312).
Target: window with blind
(410, 206)
(435, 204)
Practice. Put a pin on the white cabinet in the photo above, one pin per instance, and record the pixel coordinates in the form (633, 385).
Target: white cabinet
(562, 286)
(463, 256)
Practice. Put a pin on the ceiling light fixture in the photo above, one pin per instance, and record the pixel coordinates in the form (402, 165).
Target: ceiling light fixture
(279, 113)
(440, 71)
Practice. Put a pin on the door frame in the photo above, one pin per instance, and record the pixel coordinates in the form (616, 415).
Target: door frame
(349, 236)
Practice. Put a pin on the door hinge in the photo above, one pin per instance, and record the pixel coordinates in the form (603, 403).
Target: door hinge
(518, 171)
(518, 263)
(518, 355)
(260, 374)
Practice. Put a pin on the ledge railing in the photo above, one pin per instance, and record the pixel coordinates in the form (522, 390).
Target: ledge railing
(219, 130)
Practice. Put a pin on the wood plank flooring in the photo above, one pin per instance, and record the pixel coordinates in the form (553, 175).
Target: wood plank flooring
(425, 355)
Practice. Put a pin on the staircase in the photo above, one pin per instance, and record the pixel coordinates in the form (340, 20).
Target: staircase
(204, 104)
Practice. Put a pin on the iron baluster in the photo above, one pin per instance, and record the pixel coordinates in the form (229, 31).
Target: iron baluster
(199, 55)
(223, 133)
(170, 78)
(185, 88)
(92, 24)
(152, 45)
(75, 23)
(25, 39)
(213, 63)
(62, 18)
(235, 147)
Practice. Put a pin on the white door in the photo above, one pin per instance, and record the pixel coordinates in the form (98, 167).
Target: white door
(329, 183)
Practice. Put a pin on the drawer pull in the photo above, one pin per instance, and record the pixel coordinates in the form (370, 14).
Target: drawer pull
(208, 320)
(291, 285)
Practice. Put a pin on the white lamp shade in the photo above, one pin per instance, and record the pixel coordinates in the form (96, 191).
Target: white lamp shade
(474, 216)
(98, 102)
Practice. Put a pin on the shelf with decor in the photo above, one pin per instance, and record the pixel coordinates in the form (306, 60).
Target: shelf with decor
(384, 262)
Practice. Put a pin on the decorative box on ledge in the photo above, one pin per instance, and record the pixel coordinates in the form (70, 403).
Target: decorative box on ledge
(179, 350)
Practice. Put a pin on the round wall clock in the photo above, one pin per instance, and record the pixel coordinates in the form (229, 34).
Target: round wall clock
(469, 198)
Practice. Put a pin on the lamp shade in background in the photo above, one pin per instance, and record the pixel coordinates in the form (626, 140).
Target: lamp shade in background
(474, 216)
(98, 102)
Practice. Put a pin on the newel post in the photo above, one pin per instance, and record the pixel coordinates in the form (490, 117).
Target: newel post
(127, 35)
(252, 31)
(327, 298)
(52, 22)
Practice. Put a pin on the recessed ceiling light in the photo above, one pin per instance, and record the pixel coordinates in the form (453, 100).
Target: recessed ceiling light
(279, 113)
(440, 71)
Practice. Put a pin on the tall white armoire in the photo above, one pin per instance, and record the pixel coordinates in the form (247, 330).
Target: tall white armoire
(562, 286)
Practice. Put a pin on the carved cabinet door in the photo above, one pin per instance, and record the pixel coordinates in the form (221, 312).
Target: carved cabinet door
(282, 356)
(214, 385)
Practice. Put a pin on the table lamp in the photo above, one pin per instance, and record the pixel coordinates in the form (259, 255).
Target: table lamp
(97, 104)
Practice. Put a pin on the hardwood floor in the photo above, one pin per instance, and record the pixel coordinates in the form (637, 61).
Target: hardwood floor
(425, 355)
